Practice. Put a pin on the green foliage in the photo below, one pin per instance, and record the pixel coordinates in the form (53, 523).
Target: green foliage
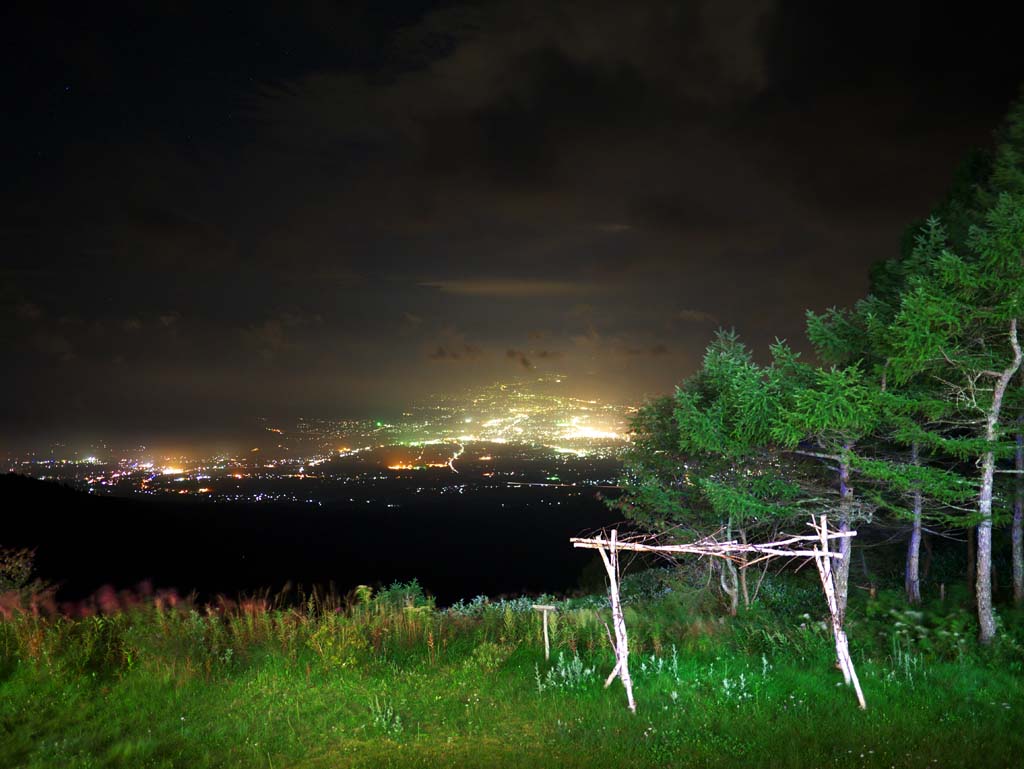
(401, 595)
(568, 673)
(946, 491)
(488, 657)
(16, 568)
(953, 317)
(337, 644)
(706, 458)
(71, 696)
(384, 718)
(837, 408)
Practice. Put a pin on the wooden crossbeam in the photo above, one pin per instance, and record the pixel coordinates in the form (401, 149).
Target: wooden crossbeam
(731, 549)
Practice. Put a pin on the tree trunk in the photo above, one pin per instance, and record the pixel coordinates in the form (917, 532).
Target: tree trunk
(728, 579)
(912, 580)
(730, 585)
(983, 583)
(841, 565)
(1017, 531)
(983, 577)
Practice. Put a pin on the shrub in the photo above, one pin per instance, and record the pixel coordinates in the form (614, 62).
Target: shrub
(338, 644)
(399, 595)
(16, 580)
(565, 674)
(488, 657)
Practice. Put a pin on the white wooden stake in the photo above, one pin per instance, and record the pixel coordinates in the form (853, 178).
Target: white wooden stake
(823, 562)
(611, 565)
(547, 643)
(544, 609)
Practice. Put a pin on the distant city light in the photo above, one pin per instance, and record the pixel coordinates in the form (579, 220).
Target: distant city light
(532, 422)
(591, 433)
(566, 450)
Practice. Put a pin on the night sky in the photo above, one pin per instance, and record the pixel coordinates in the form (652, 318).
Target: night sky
(213, 211)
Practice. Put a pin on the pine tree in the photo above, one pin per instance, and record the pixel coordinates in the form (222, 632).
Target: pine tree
(1008, 176)
(704, 461)
(824, 417)
(905, 478)
(958, 324)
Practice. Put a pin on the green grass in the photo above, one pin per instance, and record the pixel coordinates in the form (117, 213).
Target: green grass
(378, 684)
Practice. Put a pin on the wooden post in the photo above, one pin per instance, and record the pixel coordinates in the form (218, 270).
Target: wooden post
(621, 669)
(823, 561)
(544, 609)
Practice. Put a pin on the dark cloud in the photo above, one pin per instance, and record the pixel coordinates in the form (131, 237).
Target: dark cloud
(526, 358)
(687, 315)
(312, 206)
(270, 338)
(467, 352)
(653, 351)
(170, 239)
(510, 287)
(54, 345)
(27, 311)
(519, 357)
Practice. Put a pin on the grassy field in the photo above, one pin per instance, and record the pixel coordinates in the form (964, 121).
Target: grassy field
(387, 680)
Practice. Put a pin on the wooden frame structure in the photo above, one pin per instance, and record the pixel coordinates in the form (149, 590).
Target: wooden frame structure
(808, 546)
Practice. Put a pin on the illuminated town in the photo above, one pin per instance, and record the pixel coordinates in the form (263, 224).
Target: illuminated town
(507, 435)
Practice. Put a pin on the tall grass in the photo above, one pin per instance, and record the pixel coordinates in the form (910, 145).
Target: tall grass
(386, 678)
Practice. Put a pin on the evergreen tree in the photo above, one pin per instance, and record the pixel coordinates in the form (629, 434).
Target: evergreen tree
(982, 177)
(904, 478)
(958, 324)
(704, 460)
(1008, 176)
(824, 417)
